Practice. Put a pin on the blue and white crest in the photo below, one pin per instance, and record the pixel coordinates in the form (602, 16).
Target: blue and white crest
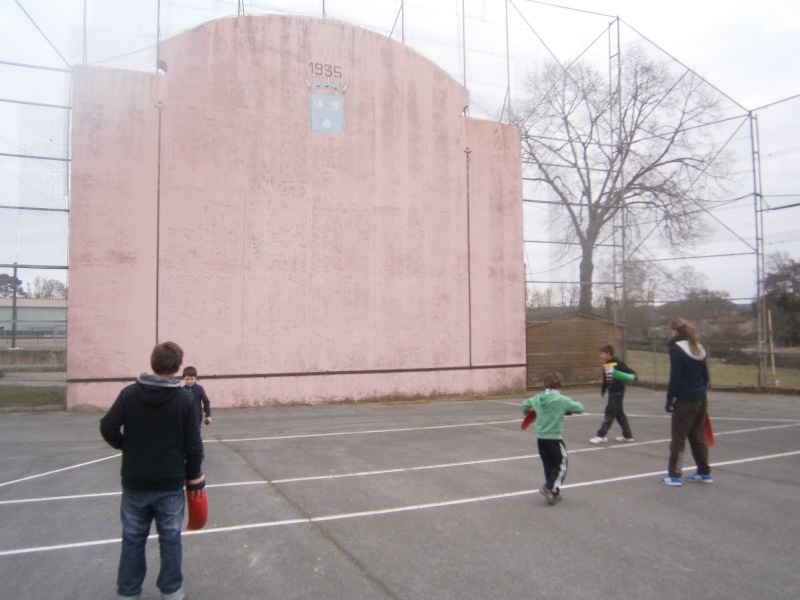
(327, 110)
(327, 113)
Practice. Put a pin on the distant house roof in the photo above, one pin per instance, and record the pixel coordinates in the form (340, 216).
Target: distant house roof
(540, 316)
(729, 320)
(33, 303)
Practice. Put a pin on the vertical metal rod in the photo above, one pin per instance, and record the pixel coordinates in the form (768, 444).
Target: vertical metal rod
(613, 92)
(158, 217)
(464, 39)
(771, 347)
(85, 53)
(14, 308)
(403, 21)
(761, 308)
(508, 65)
(158, 33)
(623, 206)
(467, 151)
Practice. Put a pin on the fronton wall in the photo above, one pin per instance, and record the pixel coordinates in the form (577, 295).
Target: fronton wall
(303, 207)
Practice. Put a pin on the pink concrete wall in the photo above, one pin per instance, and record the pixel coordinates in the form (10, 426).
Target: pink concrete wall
(294, 265)
(111, 306)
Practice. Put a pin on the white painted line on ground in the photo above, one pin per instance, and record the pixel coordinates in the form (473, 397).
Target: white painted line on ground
(366, 431)
(406, 469)
(789, 423)
(716, 418)
(384, 511)
(72, 546)
(467, 463)
(56, 498)
(738, 461)
(280, 437)
(91, 462)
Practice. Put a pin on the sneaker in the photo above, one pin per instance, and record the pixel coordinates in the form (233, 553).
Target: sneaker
(557, 498)
(697, 478)
(598, 440)
(548, 495)
(673, 481)
(624, 439)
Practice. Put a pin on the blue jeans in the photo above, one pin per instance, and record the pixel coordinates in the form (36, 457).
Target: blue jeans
(137, 510)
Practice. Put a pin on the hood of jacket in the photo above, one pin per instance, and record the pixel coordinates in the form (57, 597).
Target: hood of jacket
(157, 389)
(548, 397)
(696, 354)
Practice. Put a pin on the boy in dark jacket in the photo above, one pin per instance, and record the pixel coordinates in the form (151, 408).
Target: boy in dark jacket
(198, 394)
(155, 425)
(616, 393)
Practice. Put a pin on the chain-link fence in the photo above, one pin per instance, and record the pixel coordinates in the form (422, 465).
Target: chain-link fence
(36, 318)
(493, 47)
(33, 336)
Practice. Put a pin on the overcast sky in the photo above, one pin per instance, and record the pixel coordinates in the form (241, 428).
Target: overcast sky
(749, 51)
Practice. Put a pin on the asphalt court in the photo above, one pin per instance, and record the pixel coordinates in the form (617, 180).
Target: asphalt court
(421, 501)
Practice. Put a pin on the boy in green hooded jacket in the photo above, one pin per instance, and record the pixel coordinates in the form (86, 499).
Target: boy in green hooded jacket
(550, 407)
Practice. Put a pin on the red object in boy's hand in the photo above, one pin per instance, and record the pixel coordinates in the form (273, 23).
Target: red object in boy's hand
(529, 418)
(197, 505)
(708, 432)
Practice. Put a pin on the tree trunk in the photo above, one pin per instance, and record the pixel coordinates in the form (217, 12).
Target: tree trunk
(586, 272)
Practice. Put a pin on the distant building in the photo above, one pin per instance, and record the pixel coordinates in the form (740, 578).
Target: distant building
(740, 325)
(36, 318)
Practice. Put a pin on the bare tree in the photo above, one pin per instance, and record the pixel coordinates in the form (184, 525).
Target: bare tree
(559, 296)
(46, 288)
(643, 145)
(683, 283)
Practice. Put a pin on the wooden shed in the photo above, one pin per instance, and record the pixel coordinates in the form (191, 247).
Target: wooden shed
(569, 342)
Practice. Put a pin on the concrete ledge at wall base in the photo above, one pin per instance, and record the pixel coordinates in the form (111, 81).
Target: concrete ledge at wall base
(32, 368)
(53, 377)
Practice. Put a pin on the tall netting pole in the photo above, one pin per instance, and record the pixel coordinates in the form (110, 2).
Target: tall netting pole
(761, 307)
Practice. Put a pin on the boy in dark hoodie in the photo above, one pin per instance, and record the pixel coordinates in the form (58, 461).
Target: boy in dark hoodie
(198, 394)
(550, 407)
(616, 394)
(154, 423)
(688, 403)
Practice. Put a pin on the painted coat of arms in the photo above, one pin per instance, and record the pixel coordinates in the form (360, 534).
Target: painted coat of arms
(326, 104)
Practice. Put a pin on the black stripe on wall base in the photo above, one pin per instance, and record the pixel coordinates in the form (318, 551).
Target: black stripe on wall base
(317, 373)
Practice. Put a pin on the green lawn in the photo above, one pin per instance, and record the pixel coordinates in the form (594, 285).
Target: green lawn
(24, 396)
(654, 368)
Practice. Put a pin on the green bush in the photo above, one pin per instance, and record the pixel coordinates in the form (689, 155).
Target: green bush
(24, 396)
